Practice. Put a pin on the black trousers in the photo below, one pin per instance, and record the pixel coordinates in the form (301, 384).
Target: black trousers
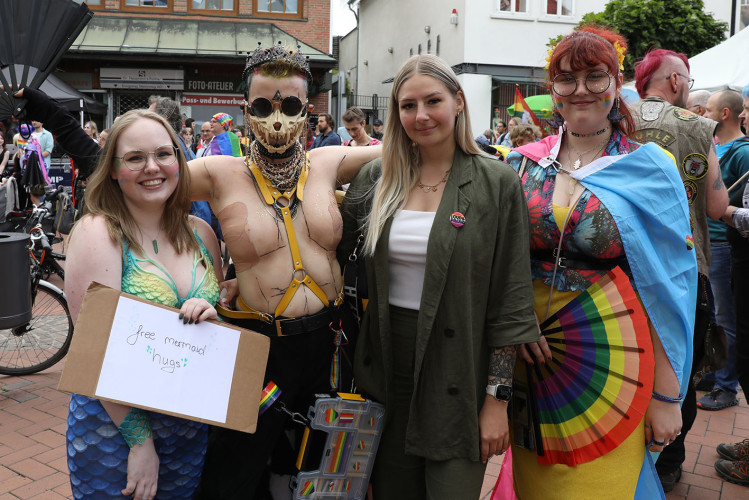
(740, 287)
(236, 462)
(674, 454)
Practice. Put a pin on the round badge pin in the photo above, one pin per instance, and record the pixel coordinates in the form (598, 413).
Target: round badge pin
(457, 219)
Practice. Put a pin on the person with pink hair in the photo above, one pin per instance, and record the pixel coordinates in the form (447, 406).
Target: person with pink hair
(224, 141)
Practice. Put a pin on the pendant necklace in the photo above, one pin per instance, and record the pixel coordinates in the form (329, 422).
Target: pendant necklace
(434, 187)
(578, 163)
(154, 241)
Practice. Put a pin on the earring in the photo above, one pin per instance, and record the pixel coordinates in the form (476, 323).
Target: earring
(556, 118)
(413, 144)
(614, 115)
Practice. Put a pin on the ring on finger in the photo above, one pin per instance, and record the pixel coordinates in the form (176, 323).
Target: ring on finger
(648, 426)
(658, 443)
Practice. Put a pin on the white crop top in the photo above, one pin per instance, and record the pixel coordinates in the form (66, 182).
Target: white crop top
(407, 257)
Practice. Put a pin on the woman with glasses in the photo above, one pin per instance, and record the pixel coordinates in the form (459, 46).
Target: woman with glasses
(598, 201)
(137, 237)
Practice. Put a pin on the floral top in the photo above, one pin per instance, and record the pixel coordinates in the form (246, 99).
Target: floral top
(590, 233)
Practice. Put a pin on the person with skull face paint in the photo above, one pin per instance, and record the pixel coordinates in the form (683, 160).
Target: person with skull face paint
(281, 223)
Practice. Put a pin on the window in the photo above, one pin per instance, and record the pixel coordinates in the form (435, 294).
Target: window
(146, 5)
(92, 4)
(559, 7)
(275, 8)
(220, 7)
(510, 6)
(743, 15)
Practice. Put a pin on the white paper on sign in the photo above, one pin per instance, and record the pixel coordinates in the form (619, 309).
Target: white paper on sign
(153, 359)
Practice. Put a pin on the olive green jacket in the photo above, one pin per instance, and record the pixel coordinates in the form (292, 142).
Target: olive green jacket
(477, 294)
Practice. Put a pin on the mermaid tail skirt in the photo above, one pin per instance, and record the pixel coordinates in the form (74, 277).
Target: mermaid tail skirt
(97, 454)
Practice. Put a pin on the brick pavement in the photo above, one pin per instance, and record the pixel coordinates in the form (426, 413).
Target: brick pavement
(33, 466)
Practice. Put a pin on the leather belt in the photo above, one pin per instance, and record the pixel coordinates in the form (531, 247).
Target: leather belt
(283, 327)
(582, 262)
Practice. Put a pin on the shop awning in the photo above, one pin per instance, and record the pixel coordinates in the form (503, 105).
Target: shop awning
(188, 38)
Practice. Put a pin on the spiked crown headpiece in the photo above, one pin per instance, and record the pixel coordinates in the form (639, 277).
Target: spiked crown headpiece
(276, 53)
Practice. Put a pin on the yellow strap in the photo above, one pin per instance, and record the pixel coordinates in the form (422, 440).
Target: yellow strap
(271, 195)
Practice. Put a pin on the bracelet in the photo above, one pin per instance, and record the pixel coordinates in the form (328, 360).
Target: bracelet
(667, 399)
(135, 427)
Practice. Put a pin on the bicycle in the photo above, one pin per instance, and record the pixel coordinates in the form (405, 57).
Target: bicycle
(38, 219)
(45, 339)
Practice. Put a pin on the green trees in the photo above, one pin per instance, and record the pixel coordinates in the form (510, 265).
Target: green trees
(682, 26)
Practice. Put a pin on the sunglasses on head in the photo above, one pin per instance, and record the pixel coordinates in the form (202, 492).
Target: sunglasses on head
(290, 106)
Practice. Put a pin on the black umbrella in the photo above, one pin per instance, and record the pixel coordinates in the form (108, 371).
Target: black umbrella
(34, 35)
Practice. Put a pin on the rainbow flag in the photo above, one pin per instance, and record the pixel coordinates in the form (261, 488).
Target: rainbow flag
(521, 108)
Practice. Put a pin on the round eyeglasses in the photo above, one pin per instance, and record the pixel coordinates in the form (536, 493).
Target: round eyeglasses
(290, 106)
(596, 81)
(137, 160)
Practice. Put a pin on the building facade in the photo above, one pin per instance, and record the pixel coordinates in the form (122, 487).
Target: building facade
(492, 45)
(190, 50)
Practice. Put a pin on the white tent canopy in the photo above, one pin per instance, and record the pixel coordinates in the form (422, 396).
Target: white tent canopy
(724, 66)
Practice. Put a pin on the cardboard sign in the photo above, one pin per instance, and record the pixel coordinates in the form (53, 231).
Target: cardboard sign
(131, 351)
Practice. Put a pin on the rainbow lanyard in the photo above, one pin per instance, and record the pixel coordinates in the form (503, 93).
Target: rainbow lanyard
(269, 396)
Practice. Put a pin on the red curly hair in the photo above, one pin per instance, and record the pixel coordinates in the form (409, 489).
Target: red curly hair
(587, 47)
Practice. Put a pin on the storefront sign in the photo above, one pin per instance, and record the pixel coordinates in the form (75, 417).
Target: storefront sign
(134, 78)
(211, 100)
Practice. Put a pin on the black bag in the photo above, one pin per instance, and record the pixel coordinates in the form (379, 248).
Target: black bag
(65, 214)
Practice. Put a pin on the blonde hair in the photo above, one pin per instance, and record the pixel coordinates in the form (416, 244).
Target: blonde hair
(94, 129)
(525, 131)
(104, 196)
(401, 161)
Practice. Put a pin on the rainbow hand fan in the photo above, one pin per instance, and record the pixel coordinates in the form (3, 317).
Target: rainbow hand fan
(594, 392)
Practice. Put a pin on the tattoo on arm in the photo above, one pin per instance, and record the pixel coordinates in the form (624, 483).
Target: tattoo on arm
(718, 184)
(502, 364)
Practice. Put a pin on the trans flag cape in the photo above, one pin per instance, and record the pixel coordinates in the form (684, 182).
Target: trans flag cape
(645, 195)
(226, 144)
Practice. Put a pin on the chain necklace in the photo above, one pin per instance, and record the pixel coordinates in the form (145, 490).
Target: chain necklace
(433, 188)
(578, 163)
(154, 241)
(283, 175)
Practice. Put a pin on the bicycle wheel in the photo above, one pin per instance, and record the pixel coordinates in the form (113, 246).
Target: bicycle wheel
(41, 342)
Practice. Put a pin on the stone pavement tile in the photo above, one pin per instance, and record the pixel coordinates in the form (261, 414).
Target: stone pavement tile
(734, 492)
(20, 395)
(5, 473)
(679, 492)
(48, 437)
(706, 470)
(708, 455)
(708, 483)
(48, 495)
(699, 493)
(741, 421)
(27, 411)
(11, 423)
(713, 439)
(36, 487)
(51, 454)
(8, 383)
(721, 423)
(34, 429)
(64, 490)
(61, 428)
(24, 453)
(15, 440)
(690, 459)
(32, 469)
(13, 483)
(60, 464)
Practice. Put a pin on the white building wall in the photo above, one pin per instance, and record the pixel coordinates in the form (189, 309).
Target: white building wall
(478, 92)
(399, 25)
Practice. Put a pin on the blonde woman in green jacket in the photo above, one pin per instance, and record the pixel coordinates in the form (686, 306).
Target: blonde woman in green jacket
(446, 247)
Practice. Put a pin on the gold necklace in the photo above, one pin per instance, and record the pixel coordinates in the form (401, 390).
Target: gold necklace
(434, 187)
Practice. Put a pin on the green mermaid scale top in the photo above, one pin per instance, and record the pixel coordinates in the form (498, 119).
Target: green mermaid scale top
(160, 287)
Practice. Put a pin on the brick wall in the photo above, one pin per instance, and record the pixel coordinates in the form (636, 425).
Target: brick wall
(313, 28)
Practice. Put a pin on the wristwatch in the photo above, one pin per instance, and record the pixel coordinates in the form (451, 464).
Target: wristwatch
(500, 391)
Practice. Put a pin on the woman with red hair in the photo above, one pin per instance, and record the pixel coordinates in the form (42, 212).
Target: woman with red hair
(599, 201)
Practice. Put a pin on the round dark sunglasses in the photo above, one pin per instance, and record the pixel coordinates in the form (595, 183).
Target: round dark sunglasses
(290, 106)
